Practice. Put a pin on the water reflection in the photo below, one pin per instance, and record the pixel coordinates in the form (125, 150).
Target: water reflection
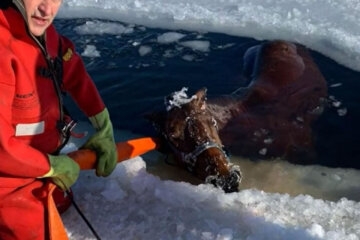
(276, 176)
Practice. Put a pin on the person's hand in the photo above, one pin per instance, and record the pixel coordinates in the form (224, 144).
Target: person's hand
(63, 171)
(103, 143)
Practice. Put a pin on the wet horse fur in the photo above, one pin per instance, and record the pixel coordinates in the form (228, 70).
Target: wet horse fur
(272, 119)
(191, 127)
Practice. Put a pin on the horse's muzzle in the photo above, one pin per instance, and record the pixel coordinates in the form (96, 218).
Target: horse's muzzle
(229, 183)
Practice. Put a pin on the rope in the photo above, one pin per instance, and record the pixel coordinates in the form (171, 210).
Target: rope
(92, 229)
(83, 216)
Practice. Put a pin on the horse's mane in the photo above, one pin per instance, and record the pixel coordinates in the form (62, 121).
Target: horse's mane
(224, 108)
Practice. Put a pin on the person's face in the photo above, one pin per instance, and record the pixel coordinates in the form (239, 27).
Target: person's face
(40, 14)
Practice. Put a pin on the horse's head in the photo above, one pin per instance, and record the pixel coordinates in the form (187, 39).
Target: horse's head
(192, 135)
(280, 63)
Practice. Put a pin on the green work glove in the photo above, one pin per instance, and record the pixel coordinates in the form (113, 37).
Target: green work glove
(103, 143)
(63, 171)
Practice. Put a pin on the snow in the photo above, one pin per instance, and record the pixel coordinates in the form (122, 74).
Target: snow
(144, 207)
(177, 99)
(278, 200)
(143, 200)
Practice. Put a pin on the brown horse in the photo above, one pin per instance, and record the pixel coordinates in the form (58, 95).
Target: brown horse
(273, 119)
(191, 133)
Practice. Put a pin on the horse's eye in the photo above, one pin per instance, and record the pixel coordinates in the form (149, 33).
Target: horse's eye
(214, 122)
(174, 134)
(175, 130)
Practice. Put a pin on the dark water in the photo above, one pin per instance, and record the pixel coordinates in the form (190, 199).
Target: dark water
(132, 85)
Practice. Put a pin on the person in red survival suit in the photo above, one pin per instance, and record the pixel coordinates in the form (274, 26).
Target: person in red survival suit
(32, 117)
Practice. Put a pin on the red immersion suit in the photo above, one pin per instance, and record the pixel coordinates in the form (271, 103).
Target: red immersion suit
(29, 110)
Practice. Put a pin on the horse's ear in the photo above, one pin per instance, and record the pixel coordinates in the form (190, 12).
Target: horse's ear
(200, 101)
(157, 119)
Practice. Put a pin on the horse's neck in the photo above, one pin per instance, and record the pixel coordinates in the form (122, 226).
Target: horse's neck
(223, 109)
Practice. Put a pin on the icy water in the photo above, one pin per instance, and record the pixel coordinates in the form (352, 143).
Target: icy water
(134, 72)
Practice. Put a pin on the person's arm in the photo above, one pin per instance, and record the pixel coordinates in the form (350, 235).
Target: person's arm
(77, 81)
(16, 158)
(83, 90)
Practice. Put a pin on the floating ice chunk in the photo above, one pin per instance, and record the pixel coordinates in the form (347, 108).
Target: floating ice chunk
(342, 112)
(144, 50)
(268, 140)
(257, 133)
(225, 46)
(90, 51)
(196, 45)
(335, 85)
(332, 98)
(317, 110)
(263, 151)
(169, 53)
(99, 28)
(177, 99)
(135, 44)
(300, 119)
(170, 37)
(188, 57)
(336, 104)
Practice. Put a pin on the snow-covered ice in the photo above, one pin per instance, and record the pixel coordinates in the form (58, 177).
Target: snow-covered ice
(328, 26)
(133, 204)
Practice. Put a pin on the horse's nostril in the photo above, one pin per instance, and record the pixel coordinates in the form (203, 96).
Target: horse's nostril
(235, 174)
(233, 181)
(232, 186)
(229, 183)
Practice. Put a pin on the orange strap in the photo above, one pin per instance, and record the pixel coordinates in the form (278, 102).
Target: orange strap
(56, 226)
(125, 150)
